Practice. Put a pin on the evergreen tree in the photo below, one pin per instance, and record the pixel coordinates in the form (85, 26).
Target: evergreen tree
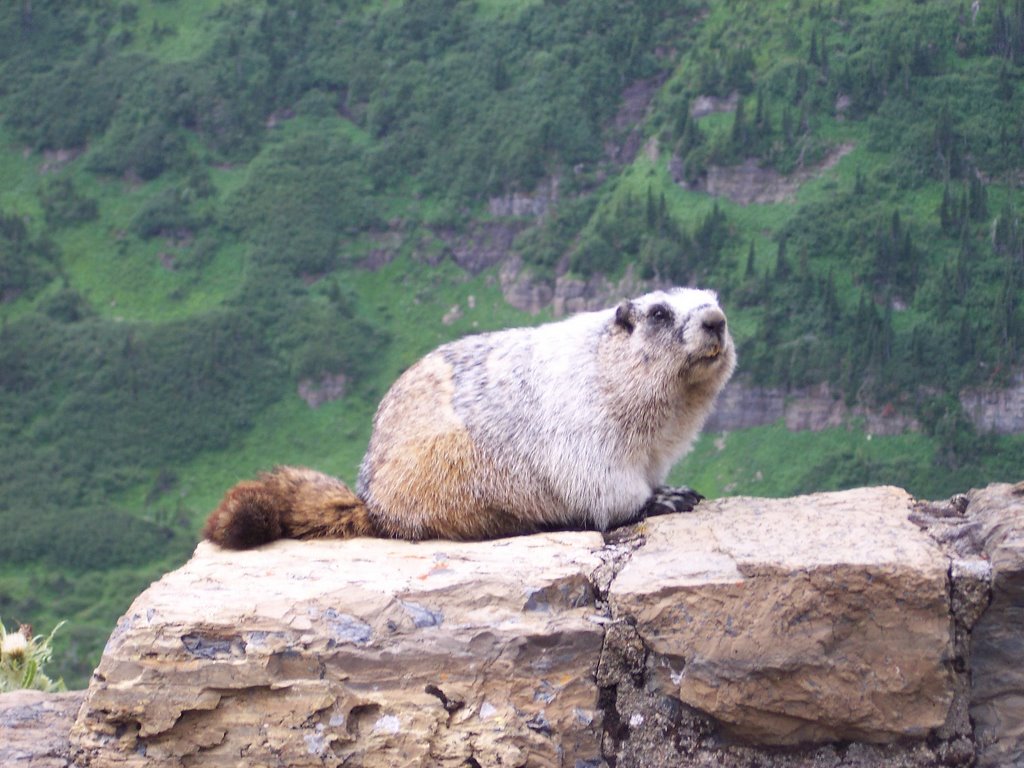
(1002, 44)
(804, 126)
(978, 199)
(1005, 83)
(947, 144)
(1006, 236)
(691, 136)
(831, 312)
(1008, 327)
(762, 122)
(500, 79)
(739, 135)
(947, 219)
(907, 263)
(883, 262)
(961, 268)
(888, 335)
(800, 84)
(781, 263)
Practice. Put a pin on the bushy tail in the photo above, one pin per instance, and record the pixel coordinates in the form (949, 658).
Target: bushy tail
(288, 503)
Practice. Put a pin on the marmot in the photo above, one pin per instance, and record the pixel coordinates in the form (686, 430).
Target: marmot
(573, 424)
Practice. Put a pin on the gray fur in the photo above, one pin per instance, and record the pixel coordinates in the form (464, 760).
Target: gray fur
(572, 423)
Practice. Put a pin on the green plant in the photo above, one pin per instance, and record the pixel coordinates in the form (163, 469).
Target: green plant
(22, 657)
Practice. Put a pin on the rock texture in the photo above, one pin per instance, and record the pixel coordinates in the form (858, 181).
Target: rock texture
(365, 652)
(994, 528)
(519, 205)
(34, 728)
(819, 618)
(742, 406)
(329, 388)
(483, 244)
(996, 410)
(850, 629)
(523, 290)
(749, 183)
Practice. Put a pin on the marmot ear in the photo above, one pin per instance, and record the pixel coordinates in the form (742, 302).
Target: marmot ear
(625, 315)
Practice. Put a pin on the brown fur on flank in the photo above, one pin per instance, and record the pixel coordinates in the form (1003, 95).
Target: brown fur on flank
(290, 502)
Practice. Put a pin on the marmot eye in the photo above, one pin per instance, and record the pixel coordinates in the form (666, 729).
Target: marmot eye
(660, 314)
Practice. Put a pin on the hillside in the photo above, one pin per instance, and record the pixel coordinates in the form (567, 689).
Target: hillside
(212, 213)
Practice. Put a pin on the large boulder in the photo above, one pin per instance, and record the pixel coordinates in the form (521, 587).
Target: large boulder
(368, 651)
(812, 619)
(995, 527)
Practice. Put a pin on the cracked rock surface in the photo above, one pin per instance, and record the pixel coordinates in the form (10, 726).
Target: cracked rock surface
(34, 728)
(810, 619)
(367, 652)
(852, 629)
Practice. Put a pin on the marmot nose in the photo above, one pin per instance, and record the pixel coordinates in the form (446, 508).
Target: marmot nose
(713, 321)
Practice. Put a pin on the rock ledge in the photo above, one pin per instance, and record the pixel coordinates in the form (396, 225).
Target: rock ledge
(858, 628)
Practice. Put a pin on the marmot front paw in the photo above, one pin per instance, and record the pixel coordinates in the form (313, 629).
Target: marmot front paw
(667, 499)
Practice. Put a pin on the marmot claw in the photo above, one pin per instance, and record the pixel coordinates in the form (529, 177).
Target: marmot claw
(667, 499)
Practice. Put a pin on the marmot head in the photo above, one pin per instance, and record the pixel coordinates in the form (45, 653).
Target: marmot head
(681, 331)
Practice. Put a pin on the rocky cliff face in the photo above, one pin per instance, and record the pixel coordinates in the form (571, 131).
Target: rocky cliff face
(996, 410)
(845, 629)
(742, 406)
(748, 182)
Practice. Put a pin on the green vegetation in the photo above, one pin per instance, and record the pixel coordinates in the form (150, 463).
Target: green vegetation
(203, 205)
(22, 657)
(759, 462)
